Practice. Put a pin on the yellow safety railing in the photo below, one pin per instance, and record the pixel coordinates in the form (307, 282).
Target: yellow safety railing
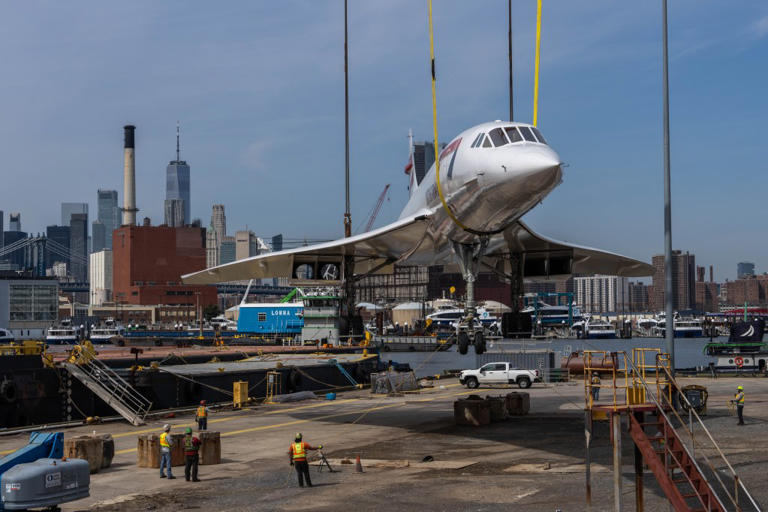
(625, 377)
(606, 364)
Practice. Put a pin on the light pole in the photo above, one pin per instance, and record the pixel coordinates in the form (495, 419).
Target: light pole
(670, 329)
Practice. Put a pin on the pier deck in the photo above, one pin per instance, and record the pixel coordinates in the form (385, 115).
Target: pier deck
(535, 461)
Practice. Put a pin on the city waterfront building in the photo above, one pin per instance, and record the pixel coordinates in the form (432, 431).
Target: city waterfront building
(602, 294)
(100, 280)
(59, 235)
(247, 244)
(227, 250)
(219, 221)
(98, 236)
(174, 212)
(57, 270)
(211, 248)
(177, 186)
(69, 209)
(108, 215)
(28, 305)
(14, 222)
(683, 281)
(638, 297)
(744, 269)
(18, 257)
(78, 246)
(148, 262)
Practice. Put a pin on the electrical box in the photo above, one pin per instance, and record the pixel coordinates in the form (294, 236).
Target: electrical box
(240, 393)
(45, 483)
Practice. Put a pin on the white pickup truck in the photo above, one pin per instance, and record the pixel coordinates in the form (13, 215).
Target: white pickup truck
(499, 373)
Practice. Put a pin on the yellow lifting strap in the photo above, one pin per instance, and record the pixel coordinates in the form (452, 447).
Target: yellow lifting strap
(434, 123)
(538, 59)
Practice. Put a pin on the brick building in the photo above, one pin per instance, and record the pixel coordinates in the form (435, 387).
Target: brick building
(706, 297)
(148, 262)
(638, 297)
(683, 281)
(752, 290)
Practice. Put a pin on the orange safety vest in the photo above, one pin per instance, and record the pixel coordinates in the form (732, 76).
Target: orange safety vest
(202, 412)
(299, 451)
(740, 398)
(164, 440)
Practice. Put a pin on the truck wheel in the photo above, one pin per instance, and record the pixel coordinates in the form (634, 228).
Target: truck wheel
(463, 341)
(524, 382)
(472, 383)
(479, 343)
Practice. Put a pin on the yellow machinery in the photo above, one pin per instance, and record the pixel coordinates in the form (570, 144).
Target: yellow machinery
(274, 387)
(25, 348)
(239, 394)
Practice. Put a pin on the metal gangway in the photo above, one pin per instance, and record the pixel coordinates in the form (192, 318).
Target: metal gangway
(107, 384)
(686, 461)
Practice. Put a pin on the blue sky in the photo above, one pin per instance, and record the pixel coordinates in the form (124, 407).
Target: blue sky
(258, 88)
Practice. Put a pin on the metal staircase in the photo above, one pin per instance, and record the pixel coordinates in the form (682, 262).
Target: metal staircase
(677, 473)
(673, 447)
(107, 385)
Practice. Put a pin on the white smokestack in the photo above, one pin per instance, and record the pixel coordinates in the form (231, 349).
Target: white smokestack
(129, 178)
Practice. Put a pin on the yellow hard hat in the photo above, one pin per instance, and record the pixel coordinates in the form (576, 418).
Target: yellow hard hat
(740, 388)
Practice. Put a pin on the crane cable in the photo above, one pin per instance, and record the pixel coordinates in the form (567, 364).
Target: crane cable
(538, 59)
(434, 124)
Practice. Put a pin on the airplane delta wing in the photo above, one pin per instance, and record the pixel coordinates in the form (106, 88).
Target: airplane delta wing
(374, 252)
(545, 257)
(411, 241)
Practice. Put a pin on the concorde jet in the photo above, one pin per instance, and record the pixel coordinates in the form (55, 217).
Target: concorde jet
(465, 214)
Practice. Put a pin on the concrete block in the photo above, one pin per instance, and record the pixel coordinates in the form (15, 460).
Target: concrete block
(88, 448)
(472, 412)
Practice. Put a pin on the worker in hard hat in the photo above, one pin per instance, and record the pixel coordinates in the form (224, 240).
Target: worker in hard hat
(595, 381)
(738, 399)
(191, 455)
(165, 451)
(298, 456)
(201, 416)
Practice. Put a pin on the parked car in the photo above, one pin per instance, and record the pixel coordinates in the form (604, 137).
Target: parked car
(499, 373)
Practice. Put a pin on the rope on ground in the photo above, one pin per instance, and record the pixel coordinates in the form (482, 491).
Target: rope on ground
(305, 374)
(220, 390)
(254, 386)
(437, 349)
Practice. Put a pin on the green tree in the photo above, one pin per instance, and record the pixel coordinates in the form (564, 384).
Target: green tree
(211, 311)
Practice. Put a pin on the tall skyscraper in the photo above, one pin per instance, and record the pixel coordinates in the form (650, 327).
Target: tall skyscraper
(78, 246)
(219, 221)
(14, 222)
(174, 212)
(602, 294)
(744, 269)
(683, 281)
(227, 250)
(423, 158)
(58, 251)
(98, 237)
(67, 209)
(109, 215)
(177, 184)
(18, 258)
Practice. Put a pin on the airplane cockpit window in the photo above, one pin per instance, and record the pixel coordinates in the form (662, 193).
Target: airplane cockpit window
(498, 137)
(527, 135)
(478, 140)
(513, 134)
(539, 135)
(487, 142)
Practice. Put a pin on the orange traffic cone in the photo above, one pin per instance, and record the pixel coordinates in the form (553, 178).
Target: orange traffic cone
(358, 464)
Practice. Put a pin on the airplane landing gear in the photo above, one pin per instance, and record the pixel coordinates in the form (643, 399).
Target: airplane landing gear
(469, 331)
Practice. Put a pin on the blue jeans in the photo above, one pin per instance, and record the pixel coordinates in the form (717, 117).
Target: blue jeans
(165, 460)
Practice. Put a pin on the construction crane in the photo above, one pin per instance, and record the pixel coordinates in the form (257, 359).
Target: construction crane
(376, 209)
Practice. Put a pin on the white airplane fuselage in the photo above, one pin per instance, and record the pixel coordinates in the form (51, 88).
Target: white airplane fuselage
(487, 188)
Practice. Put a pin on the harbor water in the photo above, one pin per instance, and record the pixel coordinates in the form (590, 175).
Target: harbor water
(689, 352)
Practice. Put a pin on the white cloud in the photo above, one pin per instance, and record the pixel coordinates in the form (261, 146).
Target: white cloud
(255, 155)
(760, 27)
